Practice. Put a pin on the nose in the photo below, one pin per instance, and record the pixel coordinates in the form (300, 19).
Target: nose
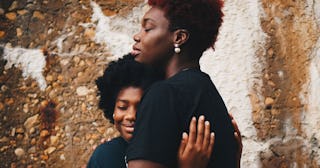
(131, 114)
(136, 37)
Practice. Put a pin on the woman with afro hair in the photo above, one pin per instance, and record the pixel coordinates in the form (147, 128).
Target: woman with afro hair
(173, 36)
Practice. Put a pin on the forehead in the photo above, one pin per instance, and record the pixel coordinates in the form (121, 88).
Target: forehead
(155, 15)
(130, 93)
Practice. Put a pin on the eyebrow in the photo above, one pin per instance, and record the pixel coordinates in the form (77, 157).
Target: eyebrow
(145, 20)
(124, 101)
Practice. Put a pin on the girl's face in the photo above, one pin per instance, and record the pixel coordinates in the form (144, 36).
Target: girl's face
(125, 110)
(154, 43)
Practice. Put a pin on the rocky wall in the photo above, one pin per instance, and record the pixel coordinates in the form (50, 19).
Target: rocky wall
(266, 65)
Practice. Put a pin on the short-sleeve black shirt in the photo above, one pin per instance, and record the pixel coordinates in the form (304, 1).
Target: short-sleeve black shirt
(165, 112)
(110, 154)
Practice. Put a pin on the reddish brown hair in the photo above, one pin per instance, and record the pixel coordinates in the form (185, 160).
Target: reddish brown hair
(202, 18)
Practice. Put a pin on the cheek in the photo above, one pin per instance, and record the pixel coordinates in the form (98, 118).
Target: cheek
(157, 46)
(117, 117)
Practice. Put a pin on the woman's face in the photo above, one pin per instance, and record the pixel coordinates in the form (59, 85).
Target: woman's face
(125, 110)
(154, 42)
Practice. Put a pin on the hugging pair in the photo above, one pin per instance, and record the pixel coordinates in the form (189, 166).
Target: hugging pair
(153, 114)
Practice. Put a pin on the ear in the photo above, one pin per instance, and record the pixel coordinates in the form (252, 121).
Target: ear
(181, 36)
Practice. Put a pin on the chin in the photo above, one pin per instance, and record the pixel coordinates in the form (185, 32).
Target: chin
(138, 58)
(127, 137)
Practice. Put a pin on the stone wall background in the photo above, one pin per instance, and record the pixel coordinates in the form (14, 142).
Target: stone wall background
(266, 66)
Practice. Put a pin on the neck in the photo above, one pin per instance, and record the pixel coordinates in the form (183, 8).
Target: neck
(176, 64)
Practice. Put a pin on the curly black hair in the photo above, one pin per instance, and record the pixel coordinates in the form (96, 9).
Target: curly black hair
(120, 74)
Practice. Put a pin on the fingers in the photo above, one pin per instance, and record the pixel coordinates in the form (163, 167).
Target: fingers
(207, 137)
(238, 138)
(200, 131)
(210, 148)
(192, 131)
(236, 128)
(183, 143)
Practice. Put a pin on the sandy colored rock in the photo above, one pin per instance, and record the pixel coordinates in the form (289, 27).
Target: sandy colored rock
(9, 101)
(108, 12)
(269, 101)
(19, 32)
(38, 15)
(54, 140)
(11, 16)
(13, 6)
(49, 78)
(50, 150)
(82, 91)
(25, 108)
(101, 130)
(2, 34)
(32, 150)
(4, 139)
(31, 121)
(76, 139)
(1, 106)
(60, 77)
(13, 132)
(44, 133)
(90, 33)
(20, 130)
(33, 141)
(22, 12)
(32, 130)
(62, 157)
(44, 157)
(19, 152)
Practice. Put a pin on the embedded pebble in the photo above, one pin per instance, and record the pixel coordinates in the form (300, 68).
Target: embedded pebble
(19, 152)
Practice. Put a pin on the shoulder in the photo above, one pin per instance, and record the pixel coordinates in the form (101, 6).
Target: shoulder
(108, 153)
(159, 88)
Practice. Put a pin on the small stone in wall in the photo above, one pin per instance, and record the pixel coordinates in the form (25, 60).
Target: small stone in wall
(1, 106)
(53, 140)
(13, 6)
(82, 91)
(11, 16)
(19, 152)
(62, 157)
(2, 33)
(22, 12)
(44, 133)
(269, 101)
(31, 121)
(19, 32)
(4, 139)
(38, 15)
(50, 150)
(19, 130)
(9, 101)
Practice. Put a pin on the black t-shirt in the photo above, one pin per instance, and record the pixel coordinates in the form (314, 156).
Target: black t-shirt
(110, 154)
(165, 112)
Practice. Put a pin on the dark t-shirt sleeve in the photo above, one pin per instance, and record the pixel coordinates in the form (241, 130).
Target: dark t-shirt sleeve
(109, 155)
(156, 128)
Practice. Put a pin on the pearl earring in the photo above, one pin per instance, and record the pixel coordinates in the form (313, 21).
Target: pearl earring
(177, 48)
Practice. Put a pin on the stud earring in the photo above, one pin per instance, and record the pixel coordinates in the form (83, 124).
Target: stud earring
(177, 48)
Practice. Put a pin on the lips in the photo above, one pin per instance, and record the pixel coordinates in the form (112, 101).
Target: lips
(135, 51)
(128, 127)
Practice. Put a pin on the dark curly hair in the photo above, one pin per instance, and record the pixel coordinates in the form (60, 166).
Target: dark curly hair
(202, 18)
(120, 74)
